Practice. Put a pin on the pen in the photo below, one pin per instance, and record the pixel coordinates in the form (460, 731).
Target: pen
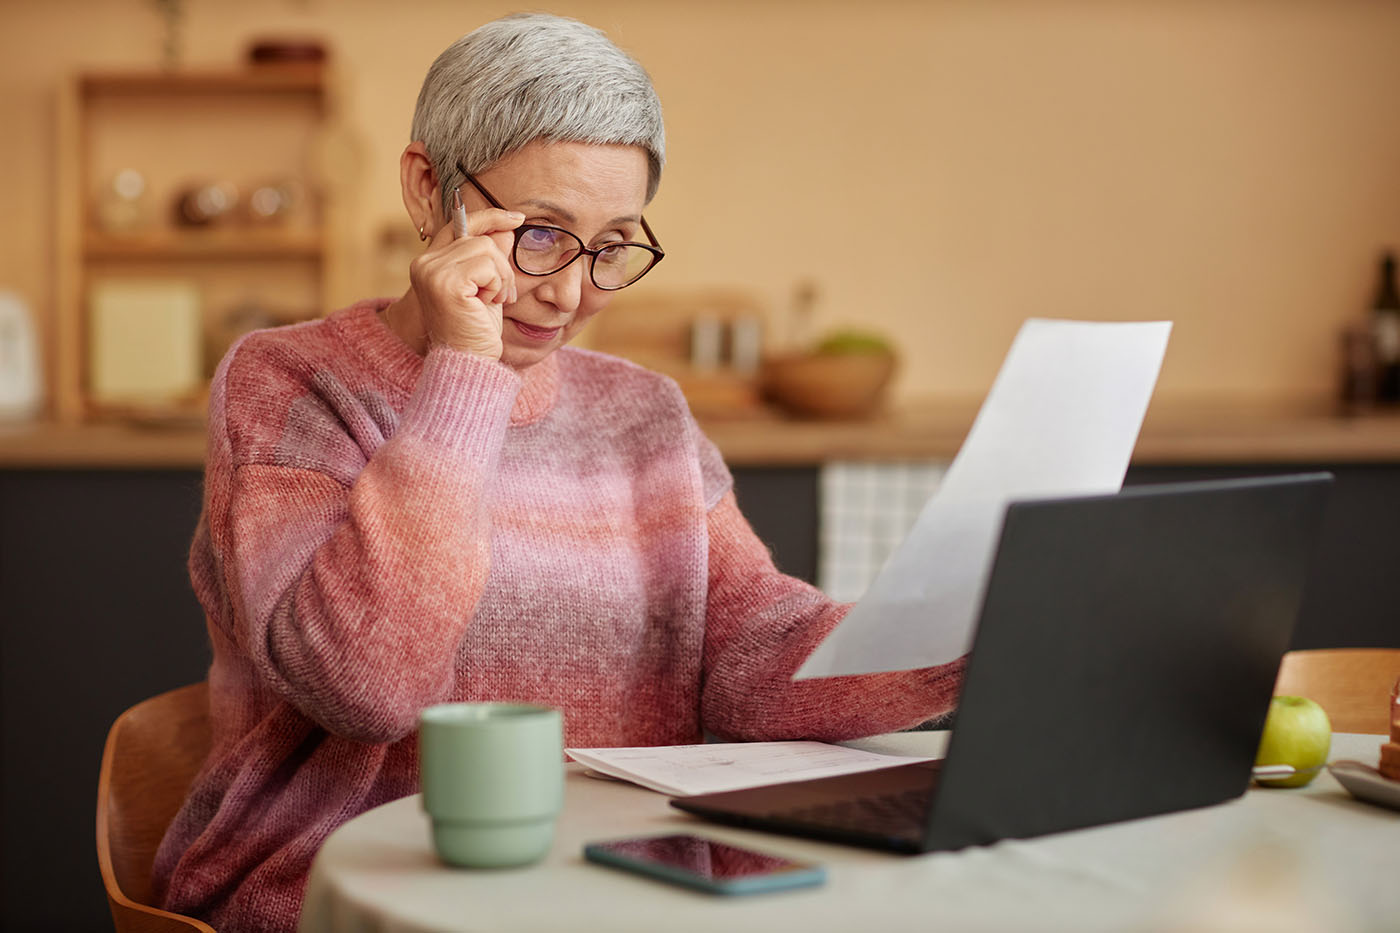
(459, 214)
(459, 230)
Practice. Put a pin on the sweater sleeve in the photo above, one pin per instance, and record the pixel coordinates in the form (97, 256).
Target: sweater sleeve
(350, 591)
(761, 625)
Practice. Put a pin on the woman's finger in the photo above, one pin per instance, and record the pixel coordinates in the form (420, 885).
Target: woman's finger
(469, 251)
(483, 275)
(492, 220)
(456, 252)
(446, 278)
(479, 223)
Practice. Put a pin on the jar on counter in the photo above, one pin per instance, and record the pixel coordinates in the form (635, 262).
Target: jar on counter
(1360, 371)
(202, 205)
(122, 205)
(274, 202)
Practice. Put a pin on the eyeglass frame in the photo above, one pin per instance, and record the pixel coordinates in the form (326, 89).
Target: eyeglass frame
(654, 248)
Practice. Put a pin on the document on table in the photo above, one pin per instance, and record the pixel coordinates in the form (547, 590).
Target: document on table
(1061, 419)
(685, 770)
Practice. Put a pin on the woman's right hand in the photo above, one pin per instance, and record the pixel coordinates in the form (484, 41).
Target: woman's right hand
(463, 283)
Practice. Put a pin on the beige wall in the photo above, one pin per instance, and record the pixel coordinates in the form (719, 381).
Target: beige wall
(941, 169)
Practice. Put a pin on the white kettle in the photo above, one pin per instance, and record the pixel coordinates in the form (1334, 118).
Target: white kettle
(19, 360)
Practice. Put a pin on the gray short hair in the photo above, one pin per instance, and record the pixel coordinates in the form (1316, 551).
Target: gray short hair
(532, 76)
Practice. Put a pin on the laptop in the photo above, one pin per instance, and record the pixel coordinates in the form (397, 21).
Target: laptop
(1122, 667)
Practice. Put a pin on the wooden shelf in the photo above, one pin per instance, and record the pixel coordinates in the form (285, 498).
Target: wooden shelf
(233, 243)
(301, 79)
(241, 124)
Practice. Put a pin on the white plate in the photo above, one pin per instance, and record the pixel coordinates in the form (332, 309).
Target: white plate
(1366, 783)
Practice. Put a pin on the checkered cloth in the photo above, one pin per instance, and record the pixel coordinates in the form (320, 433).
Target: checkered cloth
(866, 510)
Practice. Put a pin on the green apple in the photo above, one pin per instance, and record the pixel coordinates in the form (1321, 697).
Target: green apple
(853, 341)
(1297, 732)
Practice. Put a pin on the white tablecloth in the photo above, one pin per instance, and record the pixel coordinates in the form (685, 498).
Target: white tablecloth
(1274, 860)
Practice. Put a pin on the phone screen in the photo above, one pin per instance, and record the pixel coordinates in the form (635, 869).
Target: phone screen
(705, 863)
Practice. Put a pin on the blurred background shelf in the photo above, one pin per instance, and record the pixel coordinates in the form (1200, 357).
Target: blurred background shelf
(136, 151)
(176, 245)
(289, 78)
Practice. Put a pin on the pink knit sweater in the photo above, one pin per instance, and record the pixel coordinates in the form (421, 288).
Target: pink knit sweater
(383, 531)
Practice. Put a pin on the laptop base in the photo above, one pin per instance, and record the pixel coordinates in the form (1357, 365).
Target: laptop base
(882, 809)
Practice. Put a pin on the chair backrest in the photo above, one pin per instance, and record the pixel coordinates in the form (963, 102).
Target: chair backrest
(153, 752)
(1352, 684)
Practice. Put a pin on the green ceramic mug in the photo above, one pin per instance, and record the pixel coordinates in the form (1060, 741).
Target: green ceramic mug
(493, 781)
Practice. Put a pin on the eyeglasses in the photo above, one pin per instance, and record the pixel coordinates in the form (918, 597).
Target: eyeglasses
(544, 250)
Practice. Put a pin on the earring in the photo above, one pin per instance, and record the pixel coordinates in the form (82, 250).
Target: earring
(421, 234)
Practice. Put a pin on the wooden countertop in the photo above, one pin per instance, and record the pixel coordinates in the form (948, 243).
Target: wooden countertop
(1171, 434)
(1205, 434)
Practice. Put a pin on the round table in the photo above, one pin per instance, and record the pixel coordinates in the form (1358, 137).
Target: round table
(1292, 860)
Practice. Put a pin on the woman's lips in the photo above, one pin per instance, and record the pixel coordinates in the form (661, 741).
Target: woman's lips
(531, 332)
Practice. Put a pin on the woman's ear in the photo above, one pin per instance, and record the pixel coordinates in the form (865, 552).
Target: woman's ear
(420, 189)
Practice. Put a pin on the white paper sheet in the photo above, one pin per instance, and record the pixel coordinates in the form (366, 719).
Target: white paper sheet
(1061, 420)
(685, 770)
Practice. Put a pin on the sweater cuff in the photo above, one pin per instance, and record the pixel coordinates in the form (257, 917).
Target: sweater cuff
(461, 401)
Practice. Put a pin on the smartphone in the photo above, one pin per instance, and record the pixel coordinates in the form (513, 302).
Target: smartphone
(705, 864)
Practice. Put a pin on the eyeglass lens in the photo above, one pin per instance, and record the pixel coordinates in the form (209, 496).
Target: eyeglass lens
(543, 250)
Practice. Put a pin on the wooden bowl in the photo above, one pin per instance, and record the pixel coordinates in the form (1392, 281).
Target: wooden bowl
(822, 385)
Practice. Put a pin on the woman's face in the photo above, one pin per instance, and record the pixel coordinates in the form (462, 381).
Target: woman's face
(596, 193)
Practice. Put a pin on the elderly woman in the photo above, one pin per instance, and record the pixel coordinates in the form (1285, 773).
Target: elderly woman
(434, 499)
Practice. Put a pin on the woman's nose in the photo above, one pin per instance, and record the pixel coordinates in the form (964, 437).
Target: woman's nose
(564, 289)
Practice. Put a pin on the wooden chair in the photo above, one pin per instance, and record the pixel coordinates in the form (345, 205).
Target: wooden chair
(1352, 684)
(152, 754)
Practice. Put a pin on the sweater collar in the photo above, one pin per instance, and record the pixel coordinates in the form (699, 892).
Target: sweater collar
(396, 362)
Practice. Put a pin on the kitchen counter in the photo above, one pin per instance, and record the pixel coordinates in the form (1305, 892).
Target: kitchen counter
(1179, 434)
(1171, 434)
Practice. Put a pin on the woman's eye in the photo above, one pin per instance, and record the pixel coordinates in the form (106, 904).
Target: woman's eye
(613, 254)
(540, 238)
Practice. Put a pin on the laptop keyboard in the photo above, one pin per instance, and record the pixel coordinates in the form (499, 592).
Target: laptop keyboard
(889, 814)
